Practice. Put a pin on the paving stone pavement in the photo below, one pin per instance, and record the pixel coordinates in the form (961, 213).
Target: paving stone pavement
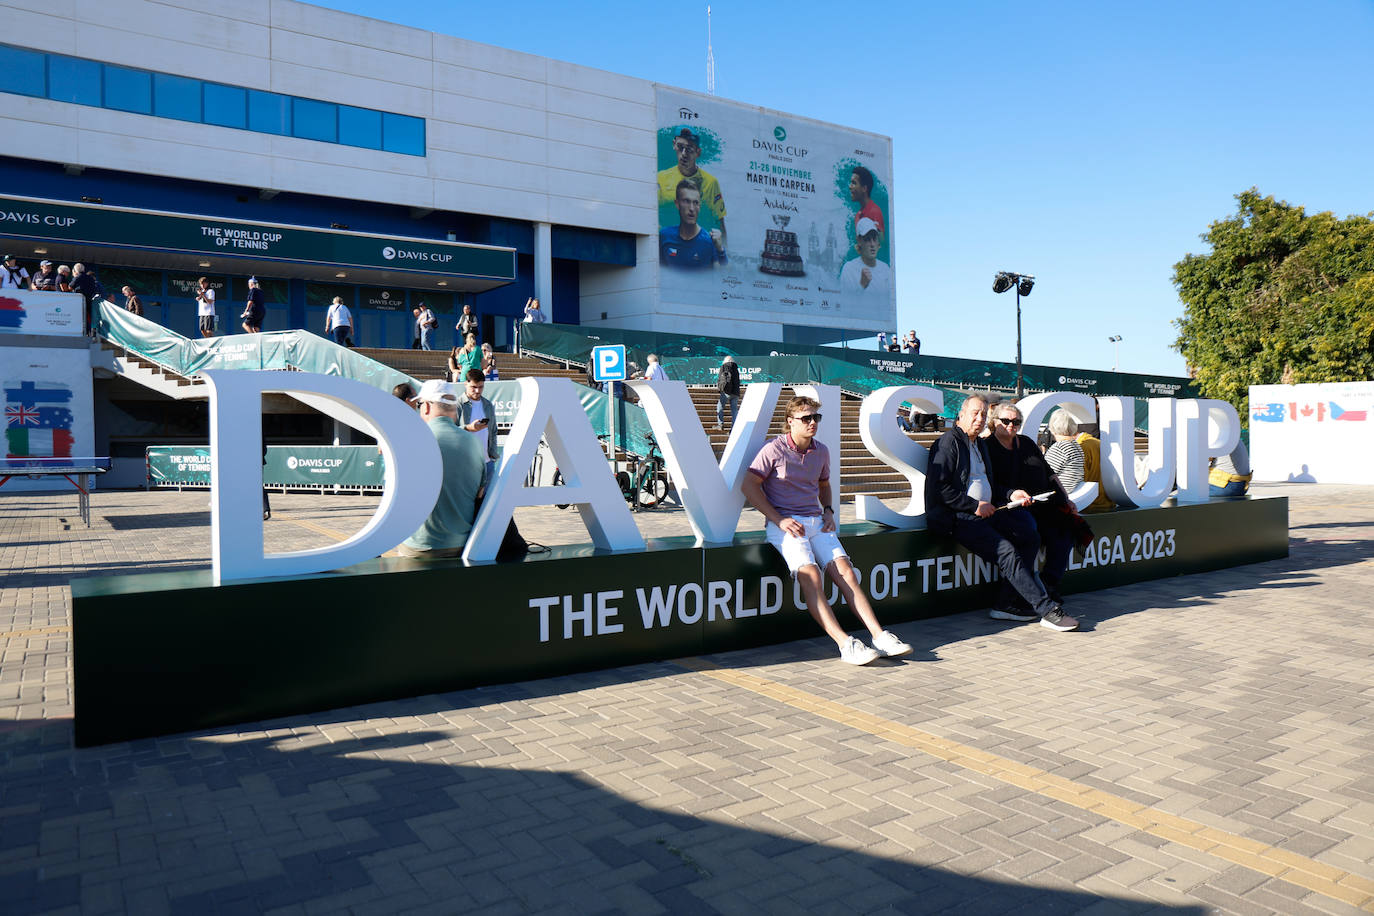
(1206, 745)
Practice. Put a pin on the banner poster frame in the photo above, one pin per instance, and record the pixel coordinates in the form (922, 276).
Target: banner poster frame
(1312, 433)
(49, 410)
(781, 197)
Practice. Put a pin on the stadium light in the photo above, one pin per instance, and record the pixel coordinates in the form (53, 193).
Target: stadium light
(1115, 341)
(1023, 284)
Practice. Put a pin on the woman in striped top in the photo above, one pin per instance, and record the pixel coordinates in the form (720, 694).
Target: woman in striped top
(1066, 455)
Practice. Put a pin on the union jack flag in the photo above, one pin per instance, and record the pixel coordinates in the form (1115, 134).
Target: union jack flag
(21, 415)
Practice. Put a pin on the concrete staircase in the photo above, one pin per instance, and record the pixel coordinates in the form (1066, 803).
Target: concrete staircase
(860, 471)
(115, 359)
(427, 364)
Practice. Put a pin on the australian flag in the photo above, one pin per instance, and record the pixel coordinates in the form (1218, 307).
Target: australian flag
(38, 421)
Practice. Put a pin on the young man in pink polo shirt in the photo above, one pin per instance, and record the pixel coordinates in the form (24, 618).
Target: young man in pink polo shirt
(789, 482)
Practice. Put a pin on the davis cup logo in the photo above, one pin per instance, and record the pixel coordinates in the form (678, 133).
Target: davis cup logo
(291, 462)
(389, 253)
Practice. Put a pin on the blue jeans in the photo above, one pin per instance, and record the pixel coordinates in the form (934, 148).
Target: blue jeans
(341, 334)
(733, 400)
(1233, 490)
(1057, 539)
(1010, 541)
(426, 338)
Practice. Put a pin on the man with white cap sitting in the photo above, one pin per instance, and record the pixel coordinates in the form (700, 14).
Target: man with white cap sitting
(446, 530)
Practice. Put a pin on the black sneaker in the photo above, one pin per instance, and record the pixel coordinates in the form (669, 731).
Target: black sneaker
(1022, 615)
(1058, 620)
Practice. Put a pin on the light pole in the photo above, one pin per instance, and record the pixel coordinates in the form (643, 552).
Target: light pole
(1023, 283)
(1115, 340)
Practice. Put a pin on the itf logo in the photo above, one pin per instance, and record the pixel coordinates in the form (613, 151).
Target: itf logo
(608, 363)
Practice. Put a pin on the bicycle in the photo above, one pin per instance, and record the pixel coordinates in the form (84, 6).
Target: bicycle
(645, 483)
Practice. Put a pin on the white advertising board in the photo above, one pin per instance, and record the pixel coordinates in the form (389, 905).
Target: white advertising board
(48, 410)
(1312, 433)
(24, 311)
(769, 231)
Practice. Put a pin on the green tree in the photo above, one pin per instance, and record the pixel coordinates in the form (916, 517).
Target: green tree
(1283, 297)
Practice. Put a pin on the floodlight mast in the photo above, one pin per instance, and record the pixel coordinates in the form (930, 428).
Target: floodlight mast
(710, 58)
(1023, 284)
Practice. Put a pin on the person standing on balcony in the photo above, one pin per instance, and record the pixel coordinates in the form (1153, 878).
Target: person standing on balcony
(12, 276)
(533, 313)
(89, 288)
(255, 309)
(205, 307)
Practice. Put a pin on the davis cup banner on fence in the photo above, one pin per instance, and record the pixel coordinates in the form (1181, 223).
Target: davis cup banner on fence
(775, 216)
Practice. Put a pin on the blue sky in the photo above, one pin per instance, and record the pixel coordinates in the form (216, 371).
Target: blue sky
(1088, 144)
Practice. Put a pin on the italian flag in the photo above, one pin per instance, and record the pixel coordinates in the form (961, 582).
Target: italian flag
(23, 442)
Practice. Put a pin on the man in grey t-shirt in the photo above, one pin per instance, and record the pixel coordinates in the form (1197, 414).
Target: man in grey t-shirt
(445, 532)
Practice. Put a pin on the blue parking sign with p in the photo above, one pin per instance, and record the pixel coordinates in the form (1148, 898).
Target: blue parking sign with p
(608, 363)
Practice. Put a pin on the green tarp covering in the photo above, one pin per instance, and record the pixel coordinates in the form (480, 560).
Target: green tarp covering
(309, 352)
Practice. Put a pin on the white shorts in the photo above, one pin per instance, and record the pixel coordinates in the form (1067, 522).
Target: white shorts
(817, 547)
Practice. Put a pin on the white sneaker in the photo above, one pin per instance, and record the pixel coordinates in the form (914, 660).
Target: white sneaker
(889, 646)
(854, 652)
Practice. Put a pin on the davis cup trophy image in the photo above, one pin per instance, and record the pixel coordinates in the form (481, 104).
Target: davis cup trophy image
(781, 253)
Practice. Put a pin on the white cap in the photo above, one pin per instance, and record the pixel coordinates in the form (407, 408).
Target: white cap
(438, 391)
(864, 226)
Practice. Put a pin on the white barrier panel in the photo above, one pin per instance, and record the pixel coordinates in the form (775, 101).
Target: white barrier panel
(1312, 433)
(25, 311)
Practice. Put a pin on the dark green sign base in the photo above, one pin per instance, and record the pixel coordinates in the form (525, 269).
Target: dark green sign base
(165, 653)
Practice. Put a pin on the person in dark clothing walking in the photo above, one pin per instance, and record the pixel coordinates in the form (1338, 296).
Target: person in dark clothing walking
(727, 383)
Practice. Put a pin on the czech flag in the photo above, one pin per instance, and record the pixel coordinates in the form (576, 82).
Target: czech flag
(1337, 413)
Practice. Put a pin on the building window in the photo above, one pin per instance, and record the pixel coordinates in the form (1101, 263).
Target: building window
(128, 90)
(360, 127)
(312, 120)
(177, 97)
(22, 72)
(401, 134)
(226, 106)
(269, 113)
(73, 80)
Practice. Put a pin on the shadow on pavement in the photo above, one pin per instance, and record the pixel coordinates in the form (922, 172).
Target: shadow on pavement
(216, 823)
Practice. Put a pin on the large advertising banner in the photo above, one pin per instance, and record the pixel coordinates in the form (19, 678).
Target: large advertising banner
(774, 216)
(49, 412)
(1312, 433)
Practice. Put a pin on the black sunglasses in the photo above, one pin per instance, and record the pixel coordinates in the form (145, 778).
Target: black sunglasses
(809, 418)
(1009, 421)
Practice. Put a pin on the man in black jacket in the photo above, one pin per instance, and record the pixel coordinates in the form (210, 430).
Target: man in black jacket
(962, 499)
(727, 383)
